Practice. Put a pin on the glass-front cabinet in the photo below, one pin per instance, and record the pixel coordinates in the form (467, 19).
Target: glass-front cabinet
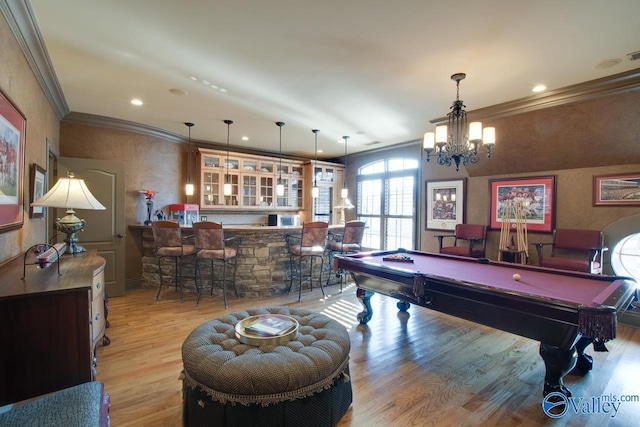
(328, 177)
(210, 189)
(253, 181)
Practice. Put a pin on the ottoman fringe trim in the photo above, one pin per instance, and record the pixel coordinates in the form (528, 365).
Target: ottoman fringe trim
(269, 399)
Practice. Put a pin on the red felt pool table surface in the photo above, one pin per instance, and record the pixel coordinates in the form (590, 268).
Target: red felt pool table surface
(579, 289)
(565, 311)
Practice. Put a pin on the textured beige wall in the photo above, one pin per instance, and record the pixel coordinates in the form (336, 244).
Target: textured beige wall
(574, 205)
(574, 142)
(150, 163)
(18, 83)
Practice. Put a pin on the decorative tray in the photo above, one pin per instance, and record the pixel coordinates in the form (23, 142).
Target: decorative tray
(266, 329)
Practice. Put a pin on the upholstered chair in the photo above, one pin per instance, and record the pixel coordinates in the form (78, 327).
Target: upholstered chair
(309, 245)
(169, 243)
(212, 246)
(469, 240)
(349, 241)
(572, 249)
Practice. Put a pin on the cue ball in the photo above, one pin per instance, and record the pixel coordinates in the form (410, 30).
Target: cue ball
(516, 277)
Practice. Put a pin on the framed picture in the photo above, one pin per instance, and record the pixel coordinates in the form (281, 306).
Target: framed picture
(37, 190)
(12, 143)
(617, 190)
(537, 195)
(445, 200)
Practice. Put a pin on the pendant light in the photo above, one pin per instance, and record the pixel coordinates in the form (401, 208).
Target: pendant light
(227, 182)
(345, 191)
(188, 189)
(315, 191)
(280, 186)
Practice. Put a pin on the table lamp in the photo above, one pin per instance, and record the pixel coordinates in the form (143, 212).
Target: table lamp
(70, 193)
(344, 204)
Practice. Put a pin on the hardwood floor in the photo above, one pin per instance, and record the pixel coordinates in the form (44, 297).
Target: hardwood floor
(417, 369)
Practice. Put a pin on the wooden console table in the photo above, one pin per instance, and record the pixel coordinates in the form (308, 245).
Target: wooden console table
(50, 325)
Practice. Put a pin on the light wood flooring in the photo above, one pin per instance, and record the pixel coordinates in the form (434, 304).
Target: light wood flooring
(420, 369)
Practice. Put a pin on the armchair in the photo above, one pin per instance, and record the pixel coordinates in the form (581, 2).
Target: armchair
(469, 240)
(577, 250)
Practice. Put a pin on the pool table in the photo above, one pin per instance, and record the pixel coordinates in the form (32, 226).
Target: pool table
(565, 311)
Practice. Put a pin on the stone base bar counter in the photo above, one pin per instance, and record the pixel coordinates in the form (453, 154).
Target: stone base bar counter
(263, 260)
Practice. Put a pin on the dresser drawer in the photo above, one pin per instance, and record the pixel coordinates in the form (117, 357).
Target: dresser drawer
(97, 320)
(97, 308)
(97, 290)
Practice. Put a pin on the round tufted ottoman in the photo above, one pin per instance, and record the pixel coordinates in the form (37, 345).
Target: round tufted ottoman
(304, 382)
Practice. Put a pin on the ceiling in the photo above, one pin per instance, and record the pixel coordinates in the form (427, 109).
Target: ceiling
(375, 70)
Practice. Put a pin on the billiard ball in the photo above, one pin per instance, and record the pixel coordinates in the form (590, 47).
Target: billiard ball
(516, 277)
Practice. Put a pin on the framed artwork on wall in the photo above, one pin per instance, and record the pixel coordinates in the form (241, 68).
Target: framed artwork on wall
(37, 190)
(445, 199)
(12, 146)
(617, 190)
(537, 195)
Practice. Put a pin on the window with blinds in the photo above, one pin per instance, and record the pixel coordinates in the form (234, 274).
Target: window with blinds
(322, 205)
(386, 201)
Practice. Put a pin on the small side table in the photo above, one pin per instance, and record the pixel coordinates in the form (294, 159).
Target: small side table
(514, 256)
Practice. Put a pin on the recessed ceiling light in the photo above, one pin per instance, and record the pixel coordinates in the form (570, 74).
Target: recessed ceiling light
(245, 138)
(320, 151)
(136, 101)
(607, 63)
(223, 90)
(539, 88)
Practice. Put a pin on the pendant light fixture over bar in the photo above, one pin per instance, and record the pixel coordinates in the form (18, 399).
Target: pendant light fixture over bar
(227, 181)
(458, 142)
(280, 185)
(188, 189)
(344, 193)
(315, 191)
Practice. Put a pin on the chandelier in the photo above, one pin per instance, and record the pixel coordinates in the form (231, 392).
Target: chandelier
(458, 142)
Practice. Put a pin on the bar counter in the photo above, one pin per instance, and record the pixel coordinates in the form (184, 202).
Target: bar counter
(263, 259)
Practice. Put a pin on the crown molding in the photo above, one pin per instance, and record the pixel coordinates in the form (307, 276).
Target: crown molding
(618, 83)
(111, 122)
(23, 24)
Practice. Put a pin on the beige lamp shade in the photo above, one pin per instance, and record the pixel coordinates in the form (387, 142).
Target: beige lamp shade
(69, 192)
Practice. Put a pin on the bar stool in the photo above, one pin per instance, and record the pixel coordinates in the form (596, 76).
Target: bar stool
(170, 244)
(350, 241)
(212, 246)
(311, 244)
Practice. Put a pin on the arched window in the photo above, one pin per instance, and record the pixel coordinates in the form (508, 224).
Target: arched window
(625, 257)
(386, 201)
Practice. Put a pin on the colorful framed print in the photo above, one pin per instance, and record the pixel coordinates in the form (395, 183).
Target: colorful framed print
(537, 196)
(37, 190)
(617, 190)
(12, 146)
(445, 199)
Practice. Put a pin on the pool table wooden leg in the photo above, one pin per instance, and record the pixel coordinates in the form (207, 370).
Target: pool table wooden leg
(585, 361)
(364, 297)
(558, 362)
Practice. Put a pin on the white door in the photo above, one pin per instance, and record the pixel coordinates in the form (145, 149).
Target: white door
(104, 230)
